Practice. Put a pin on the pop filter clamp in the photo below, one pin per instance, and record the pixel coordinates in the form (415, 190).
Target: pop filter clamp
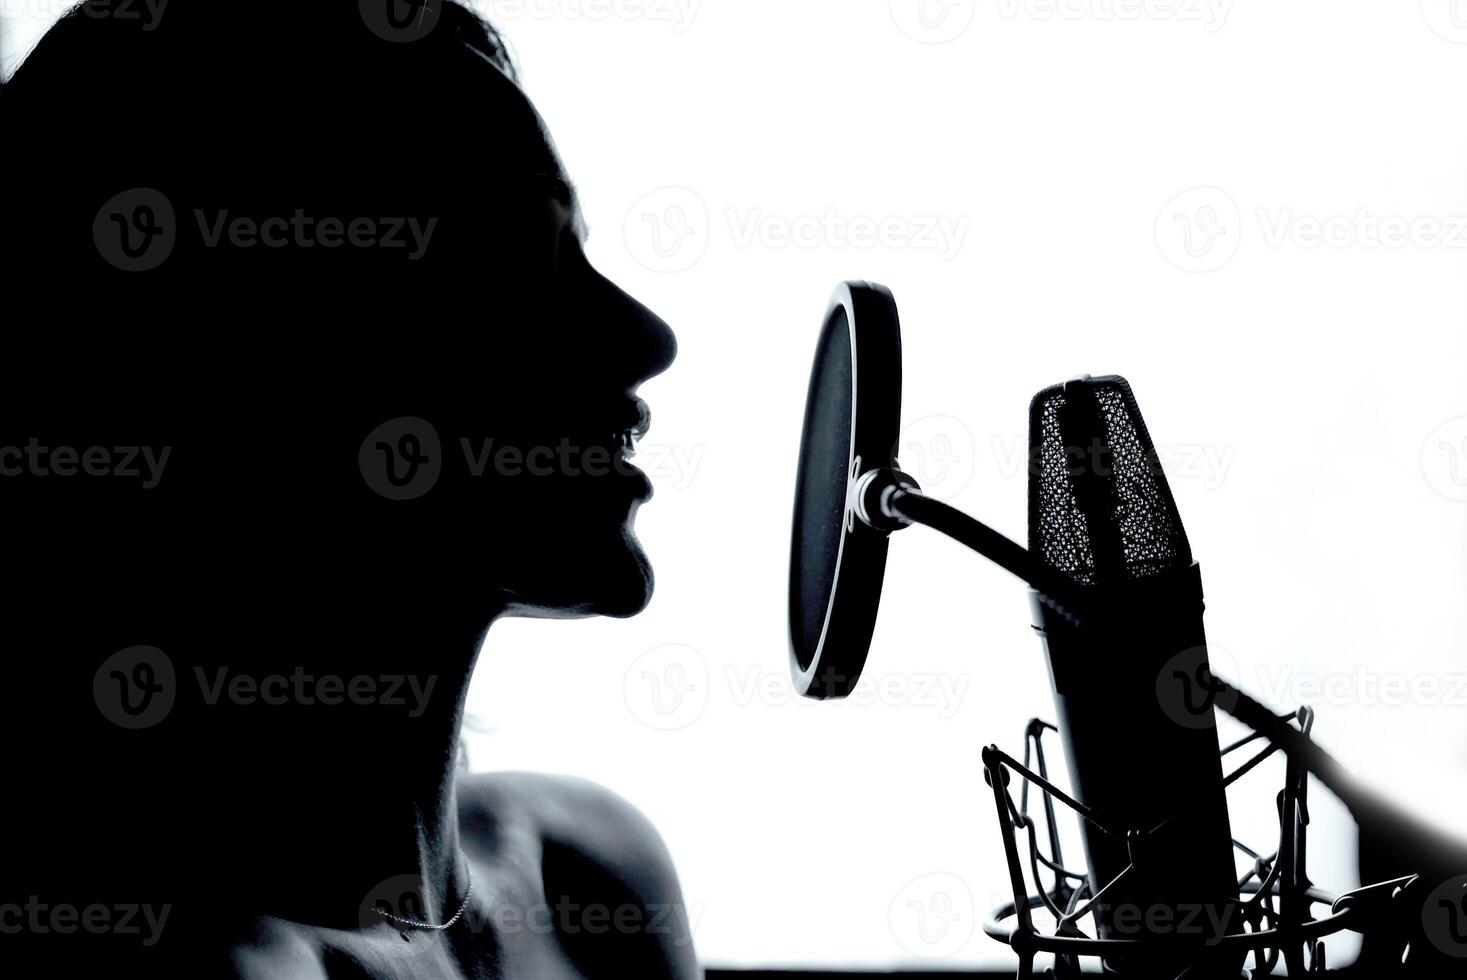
(851, 495)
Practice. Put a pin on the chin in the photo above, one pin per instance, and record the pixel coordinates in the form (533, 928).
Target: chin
(632, 589)
(605, 575)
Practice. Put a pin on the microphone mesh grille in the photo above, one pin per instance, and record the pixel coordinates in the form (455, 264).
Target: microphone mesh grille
(1100, 509)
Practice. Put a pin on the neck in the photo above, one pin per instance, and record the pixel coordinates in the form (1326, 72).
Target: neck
(370, 802)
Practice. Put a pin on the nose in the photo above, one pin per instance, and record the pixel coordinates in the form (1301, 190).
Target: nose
(639, 342)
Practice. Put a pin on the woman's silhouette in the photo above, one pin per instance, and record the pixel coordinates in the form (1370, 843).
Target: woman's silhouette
(307, 380)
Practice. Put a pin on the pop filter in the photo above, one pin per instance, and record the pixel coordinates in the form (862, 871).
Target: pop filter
(850, 494)
(837, 561)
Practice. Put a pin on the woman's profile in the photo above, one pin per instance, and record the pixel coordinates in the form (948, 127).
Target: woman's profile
(307, 381)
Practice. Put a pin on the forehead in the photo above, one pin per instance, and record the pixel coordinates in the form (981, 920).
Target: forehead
(512, 143)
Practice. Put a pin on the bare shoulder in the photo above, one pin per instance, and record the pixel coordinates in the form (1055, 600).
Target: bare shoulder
(269, 948)
(566, 810)
(606, 872)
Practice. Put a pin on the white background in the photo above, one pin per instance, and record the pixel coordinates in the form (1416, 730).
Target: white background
(1254, 211)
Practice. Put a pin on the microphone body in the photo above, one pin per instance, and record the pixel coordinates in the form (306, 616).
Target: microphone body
(1135, 767)
(1146, 764)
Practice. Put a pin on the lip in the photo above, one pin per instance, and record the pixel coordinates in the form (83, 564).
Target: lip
(638, 419)
(635, 417)
(611, 427)
(632, 424)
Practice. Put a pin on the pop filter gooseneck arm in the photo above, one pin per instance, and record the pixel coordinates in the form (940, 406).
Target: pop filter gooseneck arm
(887, 500)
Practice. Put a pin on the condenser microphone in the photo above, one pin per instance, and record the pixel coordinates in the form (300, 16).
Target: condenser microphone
(1102, 515)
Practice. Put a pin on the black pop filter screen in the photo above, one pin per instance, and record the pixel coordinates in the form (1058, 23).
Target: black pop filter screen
(820, 505)
(1100, 509)
(837, 562)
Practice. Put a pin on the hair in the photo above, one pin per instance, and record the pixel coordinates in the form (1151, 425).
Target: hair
(450, 24)
(270, 106)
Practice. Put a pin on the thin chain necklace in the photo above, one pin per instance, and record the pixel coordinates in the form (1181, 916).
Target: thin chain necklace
(407, 923)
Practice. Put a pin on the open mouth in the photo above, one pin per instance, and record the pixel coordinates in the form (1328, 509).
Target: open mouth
(626, 439)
